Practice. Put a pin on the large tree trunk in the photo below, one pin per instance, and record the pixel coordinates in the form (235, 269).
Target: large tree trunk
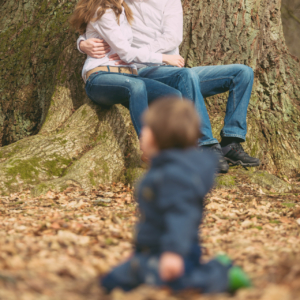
(71, 141)
(250, 32)
(52, 136)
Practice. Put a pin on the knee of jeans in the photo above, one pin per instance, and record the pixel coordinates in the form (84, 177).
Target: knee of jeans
(137, 86)
(190, 76)
(247, 73)
(189, 73)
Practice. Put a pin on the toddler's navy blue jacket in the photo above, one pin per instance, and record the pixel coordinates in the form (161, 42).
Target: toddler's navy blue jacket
(171, 199)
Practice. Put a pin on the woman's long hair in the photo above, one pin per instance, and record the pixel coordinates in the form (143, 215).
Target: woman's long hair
(85, 12)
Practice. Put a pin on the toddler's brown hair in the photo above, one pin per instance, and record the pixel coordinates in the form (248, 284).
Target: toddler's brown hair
(174, 123)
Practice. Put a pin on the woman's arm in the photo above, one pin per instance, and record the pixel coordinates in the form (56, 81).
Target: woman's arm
(81, 38)
(110, 31)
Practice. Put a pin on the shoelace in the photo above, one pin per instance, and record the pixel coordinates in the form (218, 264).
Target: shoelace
(239, 148)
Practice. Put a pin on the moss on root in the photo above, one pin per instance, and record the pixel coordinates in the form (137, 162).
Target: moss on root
(132, 175)
(26, 169)
(225, 181)
(270, 182)
(56, 166)
(92, 179)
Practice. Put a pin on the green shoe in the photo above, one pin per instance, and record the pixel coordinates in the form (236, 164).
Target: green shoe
(237, 279)
(236, 276)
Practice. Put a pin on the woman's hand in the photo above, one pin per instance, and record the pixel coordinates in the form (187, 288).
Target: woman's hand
(95, 48)
(173, 60)
(171, 266)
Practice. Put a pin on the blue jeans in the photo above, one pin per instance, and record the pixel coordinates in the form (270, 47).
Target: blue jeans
(107, 89)
(143, 268)
(201, 82)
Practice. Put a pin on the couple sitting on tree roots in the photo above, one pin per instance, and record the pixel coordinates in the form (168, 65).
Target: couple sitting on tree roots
(133, 59)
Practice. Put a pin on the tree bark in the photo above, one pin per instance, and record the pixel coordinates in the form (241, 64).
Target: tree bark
(52, 136)
(250, 32)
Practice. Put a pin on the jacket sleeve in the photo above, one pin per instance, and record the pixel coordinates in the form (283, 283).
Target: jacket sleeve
(110, 31)
(181, 207)
(172, 29)
(81, 38)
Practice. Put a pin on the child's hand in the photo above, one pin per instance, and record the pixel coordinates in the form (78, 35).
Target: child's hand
(171, 266)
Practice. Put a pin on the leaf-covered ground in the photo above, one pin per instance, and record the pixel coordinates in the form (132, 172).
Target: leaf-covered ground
(55, 246)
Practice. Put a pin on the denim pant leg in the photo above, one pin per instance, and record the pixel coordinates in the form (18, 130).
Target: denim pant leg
(140, 269)
(124, 276)
(156, 90)
(107, 89)
(187, 82)
(144, 269)
(238, 80)
(211, 277)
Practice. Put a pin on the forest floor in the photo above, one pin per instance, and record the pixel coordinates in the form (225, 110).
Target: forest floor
(54, 246)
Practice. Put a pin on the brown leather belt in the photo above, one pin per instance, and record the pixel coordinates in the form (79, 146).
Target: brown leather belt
(126, 70)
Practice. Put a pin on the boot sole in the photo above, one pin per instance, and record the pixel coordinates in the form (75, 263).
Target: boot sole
(240, 163)
(222, 171)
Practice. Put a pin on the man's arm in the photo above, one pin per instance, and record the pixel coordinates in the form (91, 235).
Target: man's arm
(172, 29)
(93, 47)
(108, 28)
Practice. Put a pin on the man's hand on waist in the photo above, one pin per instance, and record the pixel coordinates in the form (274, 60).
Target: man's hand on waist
(119, 61)
(95, 48)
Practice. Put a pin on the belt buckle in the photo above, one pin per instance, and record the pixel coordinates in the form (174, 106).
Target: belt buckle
(123, 70)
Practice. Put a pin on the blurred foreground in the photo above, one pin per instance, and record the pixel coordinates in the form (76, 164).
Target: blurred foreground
(55, 246)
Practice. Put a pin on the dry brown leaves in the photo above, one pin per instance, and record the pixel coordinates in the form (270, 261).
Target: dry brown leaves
(55, 246)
